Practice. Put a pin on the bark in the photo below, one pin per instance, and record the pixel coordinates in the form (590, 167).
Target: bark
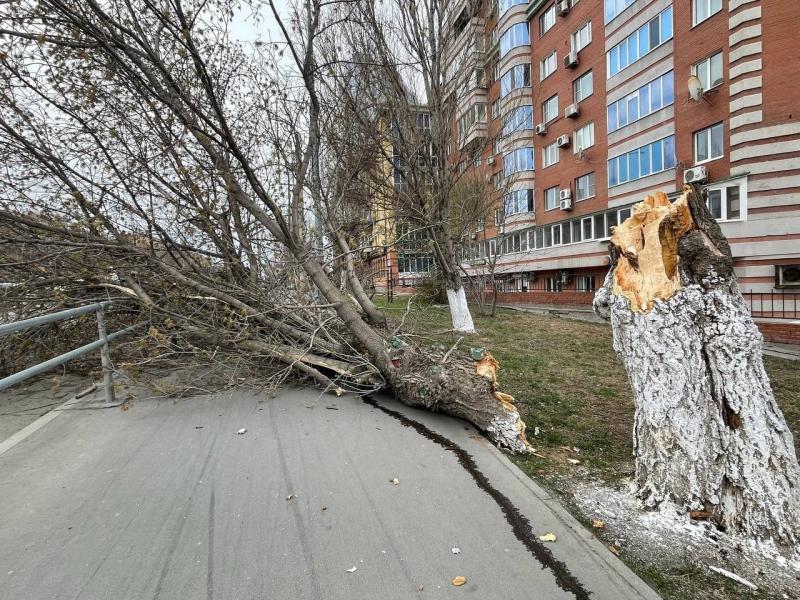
(708, 434)
(459, 310)
(462, 388)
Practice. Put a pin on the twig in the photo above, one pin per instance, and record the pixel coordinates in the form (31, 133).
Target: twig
(453, 347)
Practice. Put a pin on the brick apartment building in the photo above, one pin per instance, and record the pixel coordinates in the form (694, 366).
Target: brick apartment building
(589, 106)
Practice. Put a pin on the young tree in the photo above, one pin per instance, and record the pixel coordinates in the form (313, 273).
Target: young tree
(144, 133)
(708, 434)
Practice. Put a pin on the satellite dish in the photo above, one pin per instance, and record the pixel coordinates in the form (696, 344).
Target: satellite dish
(695, 88)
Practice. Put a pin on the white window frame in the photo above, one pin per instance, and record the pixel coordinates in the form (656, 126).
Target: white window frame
(709, 84)
(555, 196)
(709, 6)
(545, 111)
(722, 187)
(547, 20)
(581, 133)
(550, 155)
(708, 132)
(548, 65)
(593, 187)
(576, 86)
(578, 35)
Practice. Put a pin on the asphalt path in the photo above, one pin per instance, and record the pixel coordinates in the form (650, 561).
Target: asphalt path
(321, 498)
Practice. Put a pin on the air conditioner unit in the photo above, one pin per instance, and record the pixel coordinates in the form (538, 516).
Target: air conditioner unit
(565, 203)
(562, 8)
(540, 129)
(572, 111)
(787, 276)
(695, 175)
(562, 141)
(571, 59)
(490, 160)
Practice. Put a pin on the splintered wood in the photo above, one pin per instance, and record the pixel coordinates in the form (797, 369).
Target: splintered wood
(647, 243)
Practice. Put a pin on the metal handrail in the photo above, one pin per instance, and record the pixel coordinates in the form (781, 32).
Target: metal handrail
(101, 343)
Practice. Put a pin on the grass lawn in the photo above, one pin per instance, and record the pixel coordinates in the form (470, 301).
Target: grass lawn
(570, 387)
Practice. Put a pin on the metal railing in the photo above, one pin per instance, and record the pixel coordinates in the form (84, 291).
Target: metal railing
(775, 304)
(101, 343)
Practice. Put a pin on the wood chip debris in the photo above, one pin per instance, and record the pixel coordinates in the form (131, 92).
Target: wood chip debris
(700, 514)
(734, 577)
(598, 523)
(459, 581)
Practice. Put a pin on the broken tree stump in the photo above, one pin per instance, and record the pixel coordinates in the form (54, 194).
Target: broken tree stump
(708, 434)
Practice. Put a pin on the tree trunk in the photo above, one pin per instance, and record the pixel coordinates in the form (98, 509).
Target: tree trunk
(459, 310)
(708, 434)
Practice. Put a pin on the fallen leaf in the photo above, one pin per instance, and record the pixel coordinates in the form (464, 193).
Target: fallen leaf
(395, 481)
(351, 570)
(242, 431)
(456, 550)
(290, 497)
(547, 537)
(598, 524)
(459, 581)
(614, 550)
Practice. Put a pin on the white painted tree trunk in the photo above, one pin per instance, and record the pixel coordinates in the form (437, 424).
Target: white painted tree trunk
(459, 310)
(708, 434)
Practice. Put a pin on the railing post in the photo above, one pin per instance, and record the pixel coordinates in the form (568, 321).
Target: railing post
(105, 358)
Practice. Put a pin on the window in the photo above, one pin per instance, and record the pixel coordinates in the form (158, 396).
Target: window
(550, 109)
(518, 201)
(474, 114)
(507, 4)
(499, 216)
(614, 7)
(513, 37)
(648, 37)
(582, 37)
(547, 19)
(709, 71)
(584, 137)
(551, 199)
(517, 160)
(516, 77)
(708, 143)
(548, 65)
(649, 98)
(518, 119)
(583, 86)
(585, 187)
(585, 283)
(550, 155)
(727, 202)
(495, 109)
(640, 162)
(703, 9)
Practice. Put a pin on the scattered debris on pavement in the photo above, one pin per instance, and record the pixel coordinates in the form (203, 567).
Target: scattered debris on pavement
(598, 523)
(456, 550)
(242, 431)
(290, 497)
(351, 570)
(459, 581)
(394, 481)
(547, 537)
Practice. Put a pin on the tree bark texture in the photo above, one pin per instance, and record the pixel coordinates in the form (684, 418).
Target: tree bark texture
(708, 434)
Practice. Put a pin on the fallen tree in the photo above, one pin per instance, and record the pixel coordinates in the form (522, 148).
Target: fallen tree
(135, 137)
(708, 434)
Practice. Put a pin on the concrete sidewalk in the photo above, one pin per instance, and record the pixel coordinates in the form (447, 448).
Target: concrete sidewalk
(165, 500)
